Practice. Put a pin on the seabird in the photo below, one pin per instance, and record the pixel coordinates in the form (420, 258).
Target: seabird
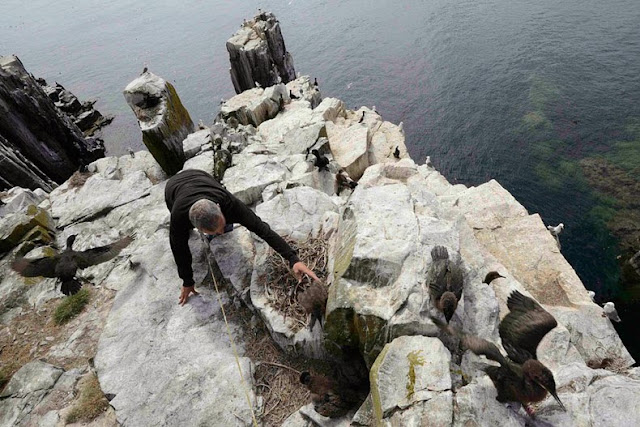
(401, 127)
(131, 153)
(292, 96)
(344, 181)
(555, 231)
(330, 398)
(321, 161)
(64, 265)
(257, 84)
(315, 81)
(592, 295)
(374, 109)
(396, 152)
(201, 125)
(445, 282)
(611, 312)
(281, 104)
(491, 276)
(144, 70)
(361, 118)
(520, 376)
(314, 302)
(222, 101)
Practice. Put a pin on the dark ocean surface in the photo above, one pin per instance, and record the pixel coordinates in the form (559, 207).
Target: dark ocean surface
(519, 91)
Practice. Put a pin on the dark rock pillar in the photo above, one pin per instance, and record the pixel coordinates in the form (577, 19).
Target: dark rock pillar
(257, 54)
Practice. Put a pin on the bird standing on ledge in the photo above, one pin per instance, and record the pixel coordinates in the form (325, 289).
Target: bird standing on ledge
(314, 302)
(321, 161)
(64, 265)
(445, 282)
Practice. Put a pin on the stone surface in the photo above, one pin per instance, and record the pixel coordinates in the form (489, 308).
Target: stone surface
(164, 121)
(349, 146)
(256, 105)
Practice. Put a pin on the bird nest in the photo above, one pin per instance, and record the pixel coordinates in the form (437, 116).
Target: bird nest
(282, 288)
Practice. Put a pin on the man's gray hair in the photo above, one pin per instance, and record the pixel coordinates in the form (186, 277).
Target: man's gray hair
(205, 215)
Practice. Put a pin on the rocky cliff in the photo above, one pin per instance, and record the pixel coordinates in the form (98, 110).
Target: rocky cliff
(41, 145)
(162, 364)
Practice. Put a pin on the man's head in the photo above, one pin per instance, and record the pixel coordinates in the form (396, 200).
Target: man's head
(207, 217)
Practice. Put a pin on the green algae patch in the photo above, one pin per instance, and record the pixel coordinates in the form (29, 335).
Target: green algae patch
(536, 120)
(374, 378)
(415, 359)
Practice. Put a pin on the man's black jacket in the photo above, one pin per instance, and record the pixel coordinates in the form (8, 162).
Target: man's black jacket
(189, 186)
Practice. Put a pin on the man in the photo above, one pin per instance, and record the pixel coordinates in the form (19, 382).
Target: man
(196, 199)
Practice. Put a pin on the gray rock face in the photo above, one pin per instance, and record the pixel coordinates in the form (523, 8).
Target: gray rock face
(41, 145)
(257, 54)
(164, 121)
(26, 389)
(256, 105)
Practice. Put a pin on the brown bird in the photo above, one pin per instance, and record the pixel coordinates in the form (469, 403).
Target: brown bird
(64, 265)
(330, 398)
(445, 282)
(491, 276)
(344, 181)
(314, 302)
(520, 377)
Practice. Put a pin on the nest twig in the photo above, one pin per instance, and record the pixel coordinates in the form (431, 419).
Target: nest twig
(282, 288)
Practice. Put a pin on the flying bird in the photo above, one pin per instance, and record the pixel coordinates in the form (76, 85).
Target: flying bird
(321, 161)
(491, 276)
(611, 312)
(445, 282)
(64, 265)
(520, 376)
(314, 302)
(396, 152)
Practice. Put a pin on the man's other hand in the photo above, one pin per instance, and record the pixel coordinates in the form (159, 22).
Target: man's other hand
(300, 269)
(184, 295)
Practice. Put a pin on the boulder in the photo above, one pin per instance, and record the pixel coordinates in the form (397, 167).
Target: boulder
(164, 121)
(255, 106)
(196, 142)
(248, 188)
(349, 146)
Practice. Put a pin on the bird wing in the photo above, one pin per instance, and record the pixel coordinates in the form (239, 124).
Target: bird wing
(45, 267)
(437, 280)
(477, 345)
(454, 280)
(524, 327)
(101, 254)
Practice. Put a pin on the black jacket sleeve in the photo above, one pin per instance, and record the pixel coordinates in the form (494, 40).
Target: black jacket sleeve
(246, 217)
(179, 240)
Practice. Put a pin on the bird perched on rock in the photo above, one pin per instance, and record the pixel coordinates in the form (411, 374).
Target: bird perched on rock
(257, 84)
(281, 103)
(396, 152)
(314, 302)
(144, 70)
(445, 282)
(611, 312)
(292, 96)
(592, 295)
(491, 276)
(330, 398)
(131, 153)
(361, 118)
(64, 265)
(555, 231)
(321, 161)
(315, 81)
(374, 109)
(344, 181)
(520, 376)
(401, 127)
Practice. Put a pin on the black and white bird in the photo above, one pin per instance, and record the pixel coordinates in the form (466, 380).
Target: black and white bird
(292, 96)
(396, 152)
(344, 181)
(315, 81)
(64, 265)
(321, 161)
(611, 312)
(491, 276)
(131, 152)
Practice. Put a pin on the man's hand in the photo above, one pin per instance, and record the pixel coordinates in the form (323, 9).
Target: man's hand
(184, 295)
(300, 269)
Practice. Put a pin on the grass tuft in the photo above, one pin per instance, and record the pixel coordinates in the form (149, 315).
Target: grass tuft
(70, 307)
(91, 403)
